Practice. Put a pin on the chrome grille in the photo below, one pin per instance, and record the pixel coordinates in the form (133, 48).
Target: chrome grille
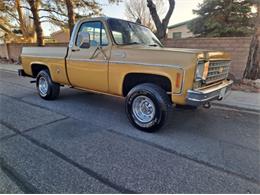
(218, 70)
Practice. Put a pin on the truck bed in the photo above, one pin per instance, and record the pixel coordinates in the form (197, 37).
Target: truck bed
(45, 52)
(48, 56)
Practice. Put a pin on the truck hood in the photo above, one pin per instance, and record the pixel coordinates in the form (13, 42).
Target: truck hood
(201, 53)
(183, 50)
(177, 57)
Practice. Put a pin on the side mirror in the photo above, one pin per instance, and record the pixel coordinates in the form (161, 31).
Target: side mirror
(83, 40)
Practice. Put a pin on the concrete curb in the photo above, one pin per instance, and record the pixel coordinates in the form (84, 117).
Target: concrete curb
(235, 107)
(12, 68)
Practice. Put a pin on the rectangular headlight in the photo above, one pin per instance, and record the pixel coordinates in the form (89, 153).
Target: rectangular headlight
(202, 70)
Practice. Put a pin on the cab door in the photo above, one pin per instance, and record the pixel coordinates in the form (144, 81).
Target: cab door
(88, 67)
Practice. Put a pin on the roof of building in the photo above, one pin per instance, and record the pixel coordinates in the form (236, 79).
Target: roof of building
(179, 24)
(60, 31)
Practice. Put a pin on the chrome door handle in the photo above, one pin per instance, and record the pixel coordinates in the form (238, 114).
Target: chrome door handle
(74, 50)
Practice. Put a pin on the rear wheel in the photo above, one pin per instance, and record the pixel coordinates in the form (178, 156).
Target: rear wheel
(147, 107)
(47, 89)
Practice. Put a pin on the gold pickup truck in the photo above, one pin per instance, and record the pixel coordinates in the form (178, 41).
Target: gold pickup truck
(122, 58)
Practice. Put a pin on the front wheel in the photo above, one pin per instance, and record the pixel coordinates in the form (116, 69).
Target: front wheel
(47, 89)
(147, 107)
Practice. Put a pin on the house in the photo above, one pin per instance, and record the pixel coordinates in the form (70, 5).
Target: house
(179, 30)
(48, 39)
(61, 36)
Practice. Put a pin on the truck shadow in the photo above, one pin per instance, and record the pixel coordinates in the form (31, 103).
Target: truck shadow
(179, 119)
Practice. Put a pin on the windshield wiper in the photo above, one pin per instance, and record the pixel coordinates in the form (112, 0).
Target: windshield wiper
(154, 45)
(133, 43)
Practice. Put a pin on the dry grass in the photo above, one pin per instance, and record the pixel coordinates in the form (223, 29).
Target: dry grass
(247, 86)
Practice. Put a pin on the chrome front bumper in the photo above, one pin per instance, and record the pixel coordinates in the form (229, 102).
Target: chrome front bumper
(202, 96)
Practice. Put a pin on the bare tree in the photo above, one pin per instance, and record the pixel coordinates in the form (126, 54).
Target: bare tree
(25, 23)
(6, 19)
(161, 25)
(64, 13)
(71, 15)
(16, 20)
(138, 10)
(34, 7)
(20, 16)
(252, 70)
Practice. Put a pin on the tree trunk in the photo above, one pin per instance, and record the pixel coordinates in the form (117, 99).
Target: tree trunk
(71, 16)
(36, 20)
(20, 16)
(252, 70)
(161, 26)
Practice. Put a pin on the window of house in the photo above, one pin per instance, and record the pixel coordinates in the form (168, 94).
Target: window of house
(176, 35)
(97, 33)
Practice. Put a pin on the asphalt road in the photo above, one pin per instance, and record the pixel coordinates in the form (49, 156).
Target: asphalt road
(83, 142)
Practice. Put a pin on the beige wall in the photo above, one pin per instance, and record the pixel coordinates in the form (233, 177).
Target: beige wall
(61, 37)
(12, 51)
(183, 29)
(3, 51)
(238, 47)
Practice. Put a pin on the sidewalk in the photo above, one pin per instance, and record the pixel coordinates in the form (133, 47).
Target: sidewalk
(10, 67)
(241, 100)
(236, 99)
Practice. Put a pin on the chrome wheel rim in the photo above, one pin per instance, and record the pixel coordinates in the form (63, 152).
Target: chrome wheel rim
(43, 86)
(143, 109)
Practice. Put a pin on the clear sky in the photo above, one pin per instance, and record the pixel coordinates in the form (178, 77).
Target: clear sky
(182, 12)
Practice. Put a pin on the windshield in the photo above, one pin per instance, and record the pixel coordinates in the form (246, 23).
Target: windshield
(128, 33)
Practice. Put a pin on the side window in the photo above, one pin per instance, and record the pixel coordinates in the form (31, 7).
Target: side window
(97, 33)
(104, 39)
(118, 36)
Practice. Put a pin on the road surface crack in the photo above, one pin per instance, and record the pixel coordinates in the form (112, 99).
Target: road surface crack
(88, 171)
(21, 182)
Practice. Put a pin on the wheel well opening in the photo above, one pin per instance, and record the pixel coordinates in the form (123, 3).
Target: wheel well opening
(133, 79)
(36, 68)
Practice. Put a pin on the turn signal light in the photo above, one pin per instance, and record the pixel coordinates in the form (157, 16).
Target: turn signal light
(206, 71)
(178, 80)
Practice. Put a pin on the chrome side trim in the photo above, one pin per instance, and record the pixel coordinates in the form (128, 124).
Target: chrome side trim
(89, 60)
(147, 64)
(83, 60)
(32, 56)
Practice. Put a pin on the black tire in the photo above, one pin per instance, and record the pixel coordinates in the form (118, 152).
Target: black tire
(161, 103)
(52, 91)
